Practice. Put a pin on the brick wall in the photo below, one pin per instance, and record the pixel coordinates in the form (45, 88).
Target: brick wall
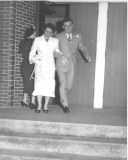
(15, 17)
(7, 52)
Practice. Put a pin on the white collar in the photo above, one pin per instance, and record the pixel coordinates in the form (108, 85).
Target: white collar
(45, 38)
(69, 35)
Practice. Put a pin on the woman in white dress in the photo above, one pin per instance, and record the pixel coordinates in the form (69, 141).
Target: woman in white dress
(42, 54)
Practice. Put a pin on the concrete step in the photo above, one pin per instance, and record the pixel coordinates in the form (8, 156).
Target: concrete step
(6, 157)
(28, 155)
(81, 115)
(63, 145)
(41, 140)
(57, 128)
(44, 156)
(64, 137)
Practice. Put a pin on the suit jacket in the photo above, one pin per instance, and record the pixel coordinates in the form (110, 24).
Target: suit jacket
(70, 52)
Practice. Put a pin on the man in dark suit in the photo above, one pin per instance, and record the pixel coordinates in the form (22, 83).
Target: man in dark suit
(69, 43)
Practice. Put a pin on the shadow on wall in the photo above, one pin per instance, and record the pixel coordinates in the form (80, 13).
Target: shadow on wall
(59, 27)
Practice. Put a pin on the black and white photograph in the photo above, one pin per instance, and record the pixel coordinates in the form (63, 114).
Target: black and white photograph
(63, 80)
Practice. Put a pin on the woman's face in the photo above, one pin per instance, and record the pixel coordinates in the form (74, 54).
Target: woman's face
(48, 33)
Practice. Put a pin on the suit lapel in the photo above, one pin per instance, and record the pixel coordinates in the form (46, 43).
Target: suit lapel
(73, 41)
(65, 38)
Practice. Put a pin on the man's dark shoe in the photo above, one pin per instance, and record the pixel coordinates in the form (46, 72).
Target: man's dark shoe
(66, 109)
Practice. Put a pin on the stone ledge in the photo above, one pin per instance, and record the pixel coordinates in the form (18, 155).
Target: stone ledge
(55, 128)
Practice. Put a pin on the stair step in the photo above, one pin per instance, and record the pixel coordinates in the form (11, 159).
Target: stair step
(71, 129)
(25, 135)
(5, 157)
(85, 115)
(63, 137)
(67, 146)
(31, 155)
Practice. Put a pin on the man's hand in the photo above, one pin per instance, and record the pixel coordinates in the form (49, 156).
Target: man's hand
(88, 59)
(63, 59)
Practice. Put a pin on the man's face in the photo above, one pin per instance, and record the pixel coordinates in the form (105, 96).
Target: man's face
(67, 26)
(48, 33)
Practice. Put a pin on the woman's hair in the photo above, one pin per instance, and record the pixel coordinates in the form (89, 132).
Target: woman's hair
(51, 26)
(29, 32)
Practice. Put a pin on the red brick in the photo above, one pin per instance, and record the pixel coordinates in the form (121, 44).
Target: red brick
(12, 27)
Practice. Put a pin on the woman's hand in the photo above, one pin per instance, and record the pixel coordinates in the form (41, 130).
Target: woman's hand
(37, 59)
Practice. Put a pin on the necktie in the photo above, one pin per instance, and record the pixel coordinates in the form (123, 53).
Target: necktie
(69, 40)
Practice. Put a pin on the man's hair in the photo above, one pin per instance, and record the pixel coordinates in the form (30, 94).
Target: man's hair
(67, 19)
(50, 25)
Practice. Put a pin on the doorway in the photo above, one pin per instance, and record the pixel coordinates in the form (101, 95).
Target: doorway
(54, 13)
(51, 12)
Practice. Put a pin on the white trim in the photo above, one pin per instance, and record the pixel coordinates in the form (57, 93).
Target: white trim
(100, 55)
(78, 1)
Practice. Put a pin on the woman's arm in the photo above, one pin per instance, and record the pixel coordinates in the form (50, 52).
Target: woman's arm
(33, 57)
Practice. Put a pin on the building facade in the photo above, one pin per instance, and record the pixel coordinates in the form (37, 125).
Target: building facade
(16, 16)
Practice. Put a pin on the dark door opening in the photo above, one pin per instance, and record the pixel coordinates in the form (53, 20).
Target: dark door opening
(54, 13)
(51, 12)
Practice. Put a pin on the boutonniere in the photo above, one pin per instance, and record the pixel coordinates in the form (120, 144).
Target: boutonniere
(77, 36)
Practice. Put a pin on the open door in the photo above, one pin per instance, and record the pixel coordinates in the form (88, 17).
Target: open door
(53, 13)
(40, 17)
